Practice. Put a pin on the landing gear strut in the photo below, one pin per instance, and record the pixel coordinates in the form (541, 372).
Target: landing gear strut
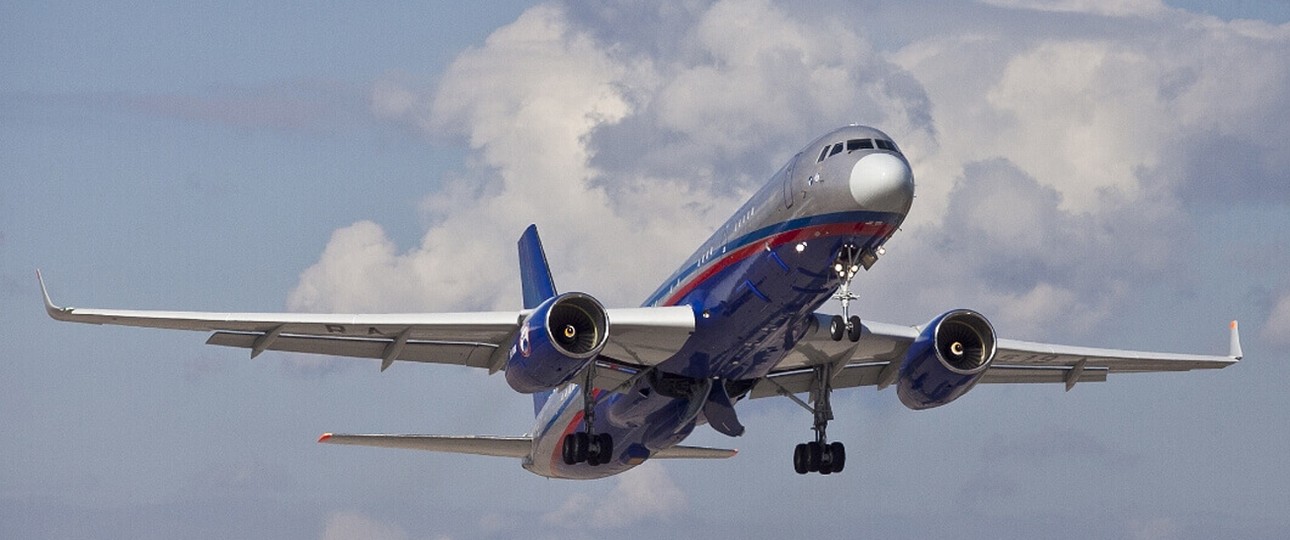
(820, 455)
(587, 446)
(845, 267)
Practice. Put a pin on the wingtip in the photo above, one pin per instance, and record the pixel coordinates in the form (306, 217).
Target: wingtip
(324, 437)
(53, 310)
(1235, 351)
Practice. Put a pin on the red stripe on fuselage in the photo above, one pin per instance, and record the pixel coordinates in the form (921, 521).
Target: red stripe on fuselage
(864, 228)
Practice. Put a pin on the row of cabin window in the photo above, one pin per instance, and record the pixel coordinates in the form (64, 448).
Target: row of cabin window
(855, 144)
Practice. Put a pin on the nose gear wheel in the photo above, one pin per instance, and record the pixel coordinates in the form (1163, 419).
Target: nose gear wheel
(845, 267)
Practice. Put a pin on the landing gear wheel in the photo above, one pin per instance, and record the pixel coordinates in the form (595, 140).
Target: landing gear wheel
(819, 455)
(581, 446)
(837, 327)
(567, 450)
(839, 453)
(606, 447)
(853, 328)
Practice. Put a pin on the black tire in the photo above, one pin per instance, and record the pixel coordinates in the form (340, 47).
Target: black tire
(593, 450)
(800, 457)
(837, 327)
(581, 447)
(567, 450)
(815, 456)
(839, 452)
(606, 447)
(853, 333)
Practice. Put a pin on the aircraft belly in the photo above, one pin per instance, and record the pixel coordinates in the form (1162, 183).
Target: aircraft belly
(759, 308)
(656, 422)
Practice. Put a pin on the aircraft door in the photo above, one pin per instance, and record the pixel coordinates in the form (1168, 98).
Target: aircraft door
(788, 181)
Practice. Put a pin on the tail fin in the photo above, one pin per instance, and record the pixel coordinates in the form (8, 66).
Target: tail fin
(535, 273)
(537, 285)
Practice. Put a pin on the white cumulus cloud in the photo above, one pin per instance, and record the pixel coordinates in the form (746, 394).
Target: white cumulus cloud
(643, 493)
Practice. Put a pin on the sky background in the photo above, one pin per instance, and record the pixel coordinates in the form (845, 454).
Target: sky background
(1100, 173)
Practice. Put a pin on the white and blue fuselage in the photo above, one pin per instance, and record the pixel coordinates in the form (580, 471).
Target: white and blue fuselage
(754, 287)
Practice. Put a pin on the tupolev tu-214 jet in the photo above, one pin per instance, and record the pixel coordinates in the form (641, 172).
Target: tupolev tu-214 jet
(738, 320)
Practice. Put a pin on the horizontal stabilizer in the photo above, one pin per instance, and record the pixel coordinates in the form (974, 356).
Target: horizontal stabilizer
(694, 452)
(480, 445)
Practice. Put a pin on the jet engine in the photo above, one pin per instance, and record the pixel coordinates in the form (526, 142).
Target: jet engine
(556, 341)
(946, 360)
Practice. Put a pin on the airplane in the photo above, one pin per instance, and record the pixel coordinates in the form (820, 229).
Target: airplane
(738, 320)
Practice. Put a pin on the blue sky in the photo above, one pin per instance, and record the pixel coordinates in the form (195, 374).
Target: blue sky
(1096, 173)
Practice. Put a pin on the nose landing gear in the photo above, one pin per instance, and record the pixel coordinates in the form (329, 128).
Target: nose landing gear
(845, 266)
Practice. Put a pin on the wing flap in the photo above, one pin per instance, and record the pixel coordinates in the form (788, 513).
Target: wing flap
(480, 445)
(472, 354)
(1043, 374)
(1026, 353)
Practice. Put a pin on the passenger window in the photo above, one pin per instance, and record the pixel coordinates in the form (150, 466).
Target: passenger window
(837, 148)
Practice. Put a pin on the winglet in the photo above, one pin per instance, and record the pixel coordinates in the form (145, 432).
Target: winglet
(53, 310)
(1235, 351)
(324, 437)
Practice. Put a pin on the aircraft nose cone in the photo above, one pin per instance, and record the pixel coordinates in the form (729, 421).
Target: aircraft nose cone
(882, 183)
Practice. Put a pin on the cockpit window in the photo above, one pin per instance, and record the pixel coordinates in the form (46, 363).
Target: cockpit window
(852, 145)
(859, 144)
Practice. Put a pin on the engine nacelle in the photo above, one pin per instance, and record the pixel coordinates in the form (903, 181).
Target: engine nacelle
(946, 360)
(556, 341)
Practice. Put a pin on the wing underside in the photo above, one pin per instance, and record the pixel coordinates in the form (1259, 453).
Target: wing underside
(485, 445)
(639, 337)
(875, 360)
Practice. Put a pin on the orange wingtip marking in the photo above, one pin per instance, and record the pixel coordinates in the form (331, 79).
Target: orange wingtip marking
(1233, 325)
(324, 437)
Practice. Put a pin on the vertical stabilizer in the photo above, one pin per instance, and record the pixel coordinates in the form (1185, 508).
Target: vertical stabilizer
(535, 274)
(536, 284)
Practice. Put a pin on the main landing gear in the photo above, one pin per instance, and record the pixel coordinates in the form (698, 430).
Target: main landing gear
(588, 446)
(845, 267)
(820, 455)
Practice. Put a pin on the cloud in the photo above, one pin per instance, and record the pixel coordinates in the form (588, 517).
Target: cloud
(643, 493)
(348, 525)
(1277, 327)
(1098, 7)
(1057, 171)
(612, 151)
(1070, 166)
